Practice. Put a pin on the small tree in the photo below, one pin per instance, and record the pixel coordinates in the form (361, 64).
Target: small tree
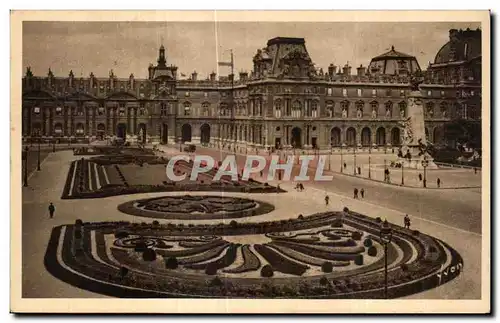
(171, 263)
(372, 251)
(149, 255)
(123, 272)
(323, 281)
(267, 271)
(327, 267)
(368, 242)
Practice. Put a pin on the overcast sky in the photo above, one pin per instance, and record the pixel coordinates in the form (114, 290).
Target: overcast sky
(129, 47)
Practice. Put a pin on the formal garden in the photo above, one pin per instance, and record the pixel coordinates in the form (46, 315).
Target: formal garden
(141, 171)
(323, 255)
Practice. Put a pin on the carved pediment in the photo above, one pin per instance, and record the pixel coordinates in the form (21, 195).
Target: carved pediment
(122, 95)
(297, 55)
(38, 94)
(80, 96)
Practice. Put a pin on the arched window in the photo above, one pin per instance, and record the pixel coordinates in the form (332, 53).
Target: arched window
(296, 109)
(429, 107)
(205, 107)
(277, 108)
(314, 109)
(330, 105)
(187, 108)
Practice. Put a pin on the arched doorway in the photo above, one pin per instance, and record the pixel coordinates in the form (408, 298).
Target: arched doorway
(80, 130)
(366, 137)
(381, 136)
(36, 130)
(121, 130)
(101, 130)
(164, 133)
(58, 130)
(335, 136)
(438, 136)
(186, 132)
(351, 137)
(296, 137)
(141, 132)
(205, 133)
(395, 136)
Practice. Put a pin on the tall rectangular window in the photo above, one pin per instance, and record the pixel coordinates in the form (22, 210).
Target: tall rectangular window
(344, 92)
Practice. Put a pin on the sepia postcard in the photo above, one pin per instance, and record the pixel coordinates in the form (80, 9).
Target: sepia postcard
(250, 162)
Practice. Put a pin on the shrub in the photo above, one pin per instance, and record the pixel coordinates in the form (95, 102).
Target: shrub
(233, 224)
(357, 235)
(323, 281)
(368, 242)
(78, 222)
(211, 269)
(216, 281)
(300, 217)
(327, 267)
(372, 251)
(404, 267)
(346, 209)
(156, 223)
(267, 271)
(337, 223)
(123, 272)
(171, 263)
(149, 255)
(378, 219)
(121, 234)
(358, 260)
(140, 246)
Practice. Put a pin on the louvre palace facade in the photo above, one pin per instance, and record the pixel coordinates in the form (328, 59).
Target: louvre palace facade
(285, 101)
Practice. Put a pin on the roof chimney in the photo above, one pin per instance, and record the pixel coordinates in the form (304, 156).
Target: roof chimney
(212, 76)
(243, 76)
(332, 70)
(361, 70)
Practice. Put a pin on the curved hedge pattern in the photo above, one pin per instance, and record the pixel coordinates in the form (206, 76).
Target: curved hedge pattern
(96, 265)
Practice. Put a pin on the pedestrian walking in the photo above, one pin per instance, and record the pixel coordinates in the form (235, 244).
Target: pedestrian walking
(301, 187)
(439, 182)
(359, 170)
(362, 193)
(52, 210)
(327, 200)
(475, 170)
(420, 177)
(345, 165)
(355, 193)
(407, 222)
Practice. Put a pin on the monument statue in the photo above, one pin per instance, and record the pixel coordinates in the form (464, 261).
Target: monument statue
(414, 137)
(344, 112)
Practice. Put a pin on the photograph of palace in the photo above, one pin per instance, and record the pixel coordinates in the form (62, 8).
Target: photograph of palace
(252, 160)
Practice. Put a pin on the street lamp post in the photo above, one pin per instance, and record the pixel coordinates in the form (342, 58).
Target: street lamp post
(402, 174)
(25, 160)
(38, 163)
(386, 238)
(330, 158)
(369, 166)
(341, 159)
(354, 159)
(425, 163)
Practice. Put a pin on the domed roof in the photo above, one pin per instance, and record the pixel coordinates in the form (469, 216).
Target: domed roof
(463, 45)
(394, 63)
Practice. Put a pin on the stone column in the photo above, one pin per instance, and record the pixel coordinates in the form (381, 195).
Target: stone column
(94, 127)
(134, 120)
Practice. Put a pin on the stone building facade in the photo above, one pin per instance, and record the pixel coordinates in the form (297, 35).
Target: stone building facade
(284, 102)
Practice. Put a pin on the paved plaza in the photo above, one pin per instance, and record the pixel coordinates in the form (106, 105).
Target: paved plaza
(453, 215)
